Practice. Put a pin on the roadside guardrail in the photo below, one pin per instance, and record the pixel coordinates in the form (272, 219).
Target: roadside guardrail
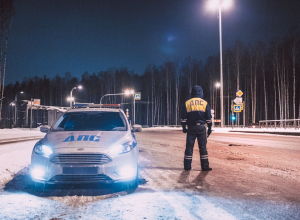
(286, 123)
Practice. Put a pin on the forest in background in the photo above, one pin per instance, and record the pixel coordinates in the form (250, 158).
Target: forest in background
(268, 75)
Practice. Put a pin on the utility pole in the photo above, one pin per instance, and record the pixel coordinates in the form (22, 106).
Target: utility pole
(31, 113)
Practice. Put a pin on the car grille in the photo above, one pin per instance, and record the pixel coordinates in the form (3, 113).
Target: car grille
(81, 159)
(81, 178)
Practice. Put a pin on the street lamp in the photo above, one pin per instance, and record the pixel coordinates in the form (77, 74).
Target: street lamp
(126, 92)
(109, 95)
(71, 99)
(15, 121)
(11, 104)
(220, 4)
(131, 92)
(217, 85)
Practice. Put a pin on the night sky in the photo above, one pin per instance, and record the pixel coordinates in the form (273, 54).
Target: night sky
(50, 37)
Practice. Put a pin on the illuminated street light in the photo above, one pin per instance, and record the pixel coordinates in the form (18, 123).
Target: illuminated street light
(131, 92)
(224, 4)
(213, 5)
(71, 99)
(218, 84)
(12, 104)
(16, 96)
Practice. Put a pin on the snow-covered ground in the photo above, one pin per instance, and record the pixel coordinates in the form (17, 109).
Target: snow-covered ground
(26, 132)
(247, 182)
(229, 129)
(9, 165)
(19, 132)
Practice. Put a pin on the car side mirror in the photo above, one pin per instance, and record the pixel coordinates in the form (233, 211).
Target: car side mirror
(45, 128)
(136, 128)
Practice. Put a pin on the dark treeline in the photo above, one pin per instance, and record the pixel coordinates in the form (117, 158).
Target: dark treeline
(268, 75)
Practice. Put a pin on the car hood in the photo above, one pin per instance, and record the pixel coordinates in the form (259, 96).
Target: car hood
(93, 140)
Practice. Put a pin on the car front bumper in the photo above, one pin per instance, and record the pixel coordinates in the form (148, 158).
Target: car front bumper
(120, 168)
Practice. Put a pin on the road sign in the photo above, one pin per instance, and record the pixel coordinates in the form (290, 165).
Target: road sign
(237, 108)
(242, 106)
(36, 101)
(239, 93)
(238, 100)
(137, 96)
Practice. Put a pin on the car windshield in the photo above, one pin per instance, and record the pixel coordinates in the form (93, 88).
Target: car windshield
(91, 121)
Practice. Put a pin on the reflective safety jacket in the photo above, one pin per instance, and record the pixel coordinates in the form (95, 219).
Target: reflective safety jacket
(196, 109)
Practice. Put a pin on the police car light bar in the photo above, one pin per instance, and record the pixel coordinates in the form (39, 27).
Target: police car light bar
(110, 105)
(104, 106)
(92, 105)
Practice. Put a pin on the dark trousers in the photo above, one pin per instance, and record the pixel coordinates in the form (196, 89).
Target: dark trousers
(199, 132)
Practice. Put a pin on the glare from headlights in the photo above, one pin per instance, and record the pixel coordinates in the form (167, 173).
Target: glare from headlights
(121, 149)
(127, 172)
(42, 149)
(38, 173)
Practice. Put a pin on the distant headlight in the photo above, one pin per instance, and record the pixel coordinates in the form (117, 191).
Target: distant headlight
(122, 149)
(42, 149)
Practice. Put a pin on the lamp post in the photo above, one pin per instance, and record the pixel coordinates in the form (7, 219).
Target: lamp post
(217, 87)
(71, 98)
(10, 110)
(126, 92)
(110, 95)
(220, 4)
(16, 96)
(131, 92)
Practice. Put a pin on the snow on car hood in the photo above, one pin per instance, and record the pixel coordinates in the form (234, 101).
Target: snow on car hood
(86, 139)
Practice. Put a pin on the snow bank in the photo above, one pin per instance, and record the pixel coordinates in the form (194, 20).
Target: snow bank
(19, 132)
(228, 129)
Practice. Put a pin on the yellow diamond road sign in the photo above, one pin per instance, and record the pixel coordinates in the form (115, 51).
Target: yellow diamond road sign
(239, 93)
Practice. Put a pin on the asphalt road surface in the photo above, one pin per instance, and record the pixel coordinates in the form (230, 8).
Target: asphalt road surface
(253, 177)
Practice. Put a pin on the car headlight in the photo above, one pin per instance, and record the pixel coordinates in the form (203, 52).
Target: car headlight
(42, 149)
(122, 149)
(38, 173)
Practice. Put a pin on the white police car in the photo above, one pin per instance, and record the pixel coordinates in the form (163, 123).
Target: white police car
(87, 145)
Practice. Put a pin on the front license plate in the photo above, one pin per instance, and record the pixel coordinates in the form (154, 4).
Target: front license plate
(80, 170)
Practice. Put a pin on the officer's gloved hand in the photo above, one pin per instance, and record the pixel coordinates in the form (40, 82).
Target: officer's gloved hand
(208, 131)
(184, 130)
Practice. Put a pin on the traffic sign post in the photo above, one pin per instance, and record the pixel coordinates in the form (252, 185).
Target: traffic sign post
(239, 93)
(237, 108)
(241, 105)
(137, 96)
(238, 100)
(244, 114)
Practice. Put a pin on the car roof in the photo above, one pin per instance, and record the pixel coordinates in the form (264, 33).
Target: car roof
(95, 110)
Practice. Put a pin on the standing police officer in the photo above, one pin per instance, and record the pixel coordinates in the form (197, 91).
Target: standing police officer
(195, 114)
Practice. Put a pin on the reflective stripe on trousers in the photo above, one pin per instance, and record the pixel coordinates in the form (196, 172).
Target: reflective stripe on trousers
(199, 132)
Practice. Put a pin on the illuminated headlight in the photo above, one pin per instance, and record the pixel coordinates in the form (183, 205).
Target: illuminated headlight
(122, 149)
(42, 149)
(38, 173)
(127, 171)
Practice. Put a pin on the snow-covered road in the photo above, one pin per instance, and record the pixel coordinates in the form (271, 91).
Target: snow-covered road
(253, 177)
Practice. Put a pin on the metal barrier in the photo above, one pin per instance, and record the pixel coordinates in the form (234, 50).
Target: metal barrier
(287, 123)
(167, 126)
